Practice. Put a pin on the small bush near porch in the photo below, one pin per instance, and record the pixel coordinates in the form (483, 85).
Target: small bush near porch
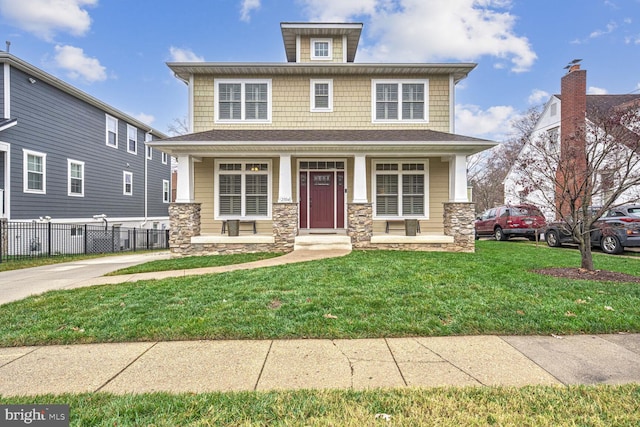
(364, 294)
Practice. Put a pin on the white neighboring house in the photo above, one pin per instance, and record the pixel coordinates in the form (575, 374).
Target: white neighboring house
(549, 129)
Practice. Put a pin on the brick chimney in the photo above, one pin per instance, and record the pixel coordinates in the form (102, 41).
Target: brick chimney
(571, 173)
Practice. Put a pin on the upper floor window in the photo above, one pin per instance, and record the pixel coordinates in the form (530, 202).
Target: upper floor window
(35, 172)
(112, 132)
(321, 95)
(165, 158)
(127, 183)
(321, 48)
(132, 139)
(75, 178)
(400, 100)
(240, 101)
(147, 138)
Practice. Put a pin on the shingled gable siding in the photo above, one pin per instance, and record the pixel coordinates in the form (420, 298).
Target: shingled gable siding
(351, 104)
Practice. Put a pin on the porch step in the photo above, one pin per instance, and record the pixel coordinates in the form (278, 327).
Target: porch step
(322, 242)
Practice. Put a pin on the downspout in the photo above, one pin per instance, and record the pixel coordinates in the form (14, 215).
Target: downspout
(7, 164)
(146, 183)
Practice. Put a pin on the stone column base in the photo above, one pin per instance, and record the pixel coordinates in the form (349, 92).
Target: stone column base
(458, 223)
(185, 223)
(360, 224)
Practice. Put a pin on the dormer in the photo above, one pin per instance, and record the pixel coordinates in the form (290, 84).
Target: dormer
(320, 42)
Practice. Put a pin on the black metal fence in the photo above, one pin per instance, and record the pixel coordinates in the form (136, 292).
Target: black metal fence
(19, 240)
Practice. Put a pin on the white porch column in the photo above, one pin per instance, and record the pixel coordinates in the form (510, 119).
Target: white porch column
(458, 179)
(284, 188)
(360, 179)
(184, 190)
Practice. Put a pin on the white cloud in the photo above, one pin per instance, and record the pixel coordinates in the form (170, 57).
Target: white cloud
(144, 118)
(184, 55)
(248, 6)
(78, 65)
(592, 90)
(44, 18)
(419, 30)
(610, 28)
(537, 97)
(493, 123)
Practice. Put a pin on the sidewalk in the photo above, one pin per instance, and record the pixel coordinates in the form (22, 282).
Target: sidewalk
(208, 366)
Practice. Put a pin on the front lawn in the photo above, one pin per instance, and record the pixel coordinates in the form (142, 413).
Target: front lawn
(470, 406)
(363, 294)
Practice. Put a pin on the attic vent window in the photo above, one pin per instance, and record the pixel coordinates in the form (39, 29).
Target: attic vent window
(321, 48)
(554, 109)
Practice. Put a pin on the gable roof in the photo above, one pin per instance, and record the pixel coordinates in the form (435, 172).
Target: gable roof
(261, 140)
(602, 103)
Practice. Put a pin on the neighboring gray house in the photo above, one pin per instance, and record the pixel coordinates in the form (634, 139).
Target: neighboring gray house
(66, 157)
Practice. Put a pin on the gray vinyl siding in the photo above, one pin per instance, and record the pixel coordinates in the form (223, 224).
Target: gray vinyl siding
(53, 122)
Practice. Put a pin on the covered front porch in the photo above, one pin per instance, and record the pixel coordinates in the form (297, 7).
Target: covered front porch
(292, 186)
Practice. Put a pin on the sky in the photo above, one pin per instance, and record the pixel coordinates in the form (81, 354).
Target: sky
(117, 50)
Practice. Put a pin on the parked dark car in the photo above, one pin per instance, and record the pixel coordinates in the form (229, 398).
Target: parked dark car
(618, 228)
(508, 221)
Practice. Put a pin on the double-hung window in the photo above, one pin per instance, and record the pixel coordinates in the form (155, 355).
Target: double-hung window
(112, 131)
(243, 101)
(401, 189)
(127, 183)
(321, 95)
(321, 49)
(75, 178)
(399, 100)
(243, 189)
(35, 172)
(149, 150)
(132, 139)
(166, 191)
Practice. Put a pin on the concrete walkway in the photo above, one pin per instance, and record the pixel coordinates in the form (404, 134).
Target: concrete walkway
(19, 284)
(202, 366)
(207, 366)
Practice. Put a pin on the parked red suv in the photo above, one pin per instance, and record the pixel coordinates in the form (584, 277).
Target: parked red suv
(504, 222)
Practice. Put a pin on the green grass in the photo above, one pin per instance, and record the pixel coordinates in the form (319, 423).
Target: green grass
(500, 406)
(370, 294)
(193, 262)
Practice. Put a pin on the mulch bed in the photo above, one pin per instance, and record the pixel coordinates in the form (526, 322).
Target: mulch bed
(582, 274)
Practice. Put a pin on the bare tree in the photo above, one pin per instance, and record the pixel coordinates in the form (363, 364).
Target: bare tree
(178, 126)
(583, 175)
(487, 170)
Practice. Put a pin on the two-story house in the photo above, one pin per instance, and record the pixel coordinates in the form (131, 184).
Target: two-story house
(321, 146)
(66, 157)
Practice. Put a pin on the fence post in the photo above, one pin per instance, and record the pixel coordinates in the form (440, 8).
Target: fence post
(49, 239)
(3, 245)
(148, 232)
(85, 239)
(135, 239)
(113, 239)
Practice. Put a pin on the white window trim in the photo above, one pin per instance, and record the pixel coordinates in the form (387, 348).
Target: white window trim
(216, 189)
(107, 119)
(166, 191)
(400, 82)
(124, 183)
(165, 158)
(400, 172)
(148, 150)
(135, 133)
(312, 45)
(243, 83)
(315, 109)
(25, 169)
(69, 163)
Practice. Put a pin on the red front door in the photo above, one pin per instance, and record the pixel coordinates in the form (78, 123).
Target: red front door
(321, 199)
